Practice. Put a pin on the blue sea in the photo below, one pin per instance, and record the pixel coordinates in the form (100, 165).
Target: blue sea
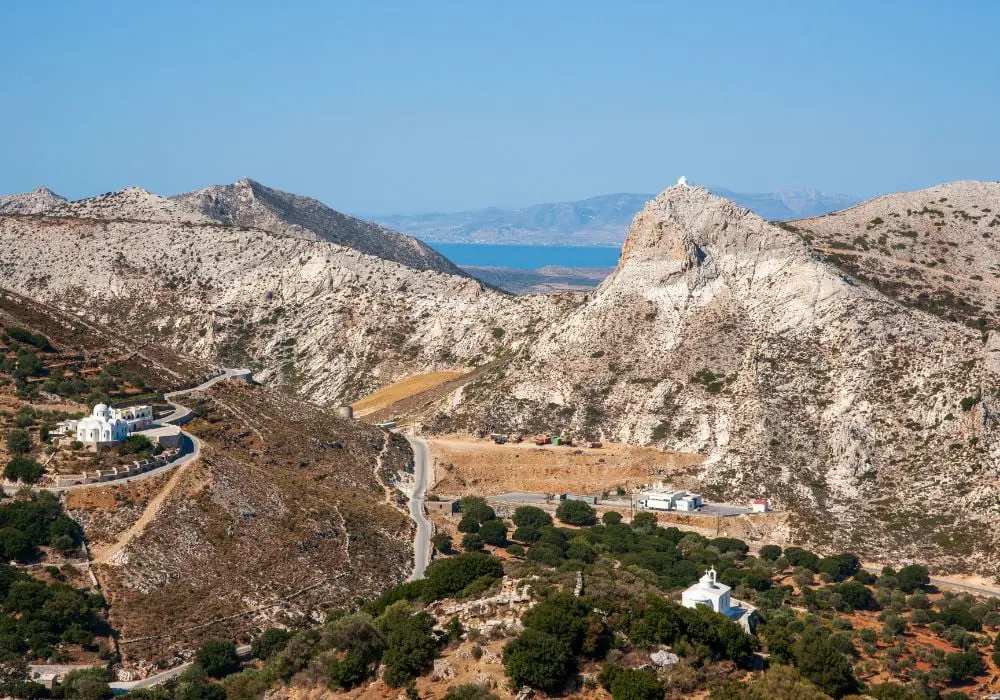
(527, 257)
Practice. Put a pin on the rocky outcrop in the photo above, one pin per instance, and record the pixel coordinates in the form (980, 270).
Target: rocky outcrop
(251, 204)
(34, 202)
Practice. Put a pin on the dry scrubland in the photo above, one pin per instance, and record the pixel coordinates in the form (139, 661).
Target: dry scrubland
(274, 518)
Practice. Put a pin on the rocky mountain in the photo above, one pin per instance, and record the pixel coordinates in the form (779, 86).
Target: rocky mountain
(718, 333)
(722, 334)
(933, 249)
(251, 204)
(33, 202)
(601, 220)
(323, 319)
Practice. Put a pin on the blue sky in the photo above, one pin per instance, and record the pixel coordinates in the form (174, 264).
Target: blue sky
(387, 107)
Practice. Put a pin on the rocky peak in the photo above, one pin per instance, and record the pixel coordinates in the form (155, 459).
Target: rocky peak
(38, 200)
(131, 203)
(687, 225)
(247, 202)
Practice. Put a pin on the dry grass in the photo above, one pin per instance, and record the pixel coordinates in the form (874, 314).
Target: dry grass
(468, 466)
(403, 389)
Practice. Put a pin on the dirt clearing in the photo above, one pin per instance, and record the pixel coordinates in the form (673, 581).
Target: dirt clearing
(470, 466)
(403, 389)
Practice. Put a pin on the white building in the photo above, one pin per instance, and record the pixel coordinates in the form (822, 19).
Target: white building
(760, 505)
(658, 499)
(708, 592)
(101, 428)
(137, 417)
(712, 594)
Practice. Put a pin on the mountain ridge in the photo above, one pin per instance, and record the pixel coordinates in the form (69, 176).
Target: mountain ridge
(599, 220)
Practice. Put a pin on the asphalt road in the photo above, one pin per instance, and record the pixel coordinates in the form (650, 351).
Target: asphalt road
(422, 540)
(125, 686)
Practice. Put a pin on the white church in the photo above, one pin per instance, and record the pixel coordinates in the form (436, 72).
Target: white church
(101, 428)
(710, 593)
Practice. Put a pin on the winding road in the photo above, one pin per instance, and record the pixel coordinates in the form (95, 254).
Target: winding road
(190, 445)
(422, 540)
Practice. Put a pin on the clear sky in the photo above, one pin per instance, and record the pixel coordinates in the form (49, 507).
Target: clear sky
(405, 107)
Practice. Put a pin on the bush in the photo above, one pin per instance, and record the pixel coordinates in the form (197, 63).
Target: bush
(477, 508)
(630, 684)
(515, 550)
(24, 470)
(442, 542)
(963, 665)
(644, 521)
(468, 525)
(530, 516)
(611, 518)
(494, 532)
(770, 552)
(18, 442)
(470, 691)
(563, 616)
(136, 444)
(820, 662)
(23, 335)
(797, 556)
(87, 684)
(446, 577)
(856, 596)
(912, 578)
(527, 534)
(410, 644)
(218, 658)
(472, 543)
(576, 513)
(269, 643)
(538, 660)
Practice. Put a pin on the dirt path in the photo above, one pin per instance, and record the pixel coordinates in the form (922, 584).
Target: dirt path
(105, 553)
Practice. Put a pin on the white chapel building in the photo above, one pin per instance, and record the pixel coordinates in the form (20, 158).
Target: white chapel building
(101, 427)
(708, 592)
(712, 594)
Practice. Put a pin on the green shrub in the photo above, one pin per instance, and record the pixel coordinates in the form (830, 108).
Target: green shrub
(494, 532)
(218, 658)
(538, 660)
(576, 513)
(25, 470)
(531, 516)
(18, 442)
(270, 642)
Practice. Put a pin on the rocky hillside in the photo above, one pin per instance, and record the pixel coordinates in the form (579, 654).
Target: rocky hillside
(38, 200)
(283, 518)
(325, 320)
(723, 334)
(251, 204)
(934, 249)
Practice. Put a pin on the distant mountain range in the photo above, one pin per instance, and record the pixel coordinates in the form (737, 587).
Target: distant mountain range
(601, 220)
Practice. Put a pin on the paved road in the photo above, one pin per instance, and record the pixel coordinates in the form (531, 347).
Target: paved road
(157, 679)
(422, 540)
(179, 411)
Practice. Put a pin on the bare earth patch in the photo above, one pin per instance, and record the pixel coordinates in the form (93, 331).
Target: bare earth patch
(469, 466)
(404, 388)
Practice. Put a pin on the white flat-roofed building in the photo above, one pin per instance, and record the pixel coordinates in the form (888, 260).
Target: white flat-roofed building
(660, 499)
(137, 417)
